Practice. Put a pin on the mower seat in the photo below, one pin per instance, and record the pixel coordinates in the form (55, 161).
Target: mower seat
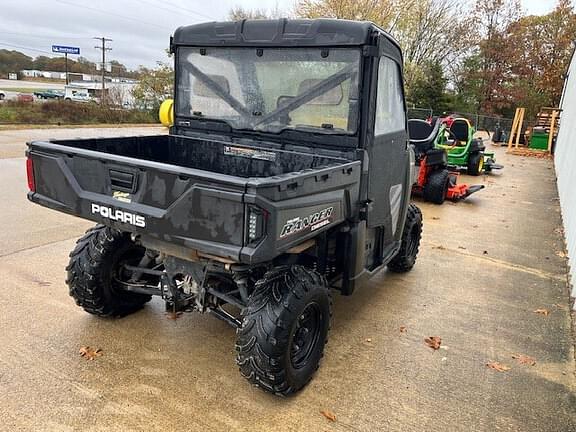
(422, 136)
(460, 130)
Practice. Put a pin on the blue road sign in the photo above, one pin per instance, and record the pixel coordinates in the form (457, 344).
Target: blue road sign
(65, 49)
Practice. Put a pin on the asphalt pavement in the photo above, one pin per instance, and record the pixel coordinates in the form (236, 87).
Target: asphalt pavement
(485, 266)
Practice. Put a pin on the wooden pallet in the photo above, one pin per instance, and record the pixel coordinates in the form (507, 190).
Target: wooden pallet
(548, 118)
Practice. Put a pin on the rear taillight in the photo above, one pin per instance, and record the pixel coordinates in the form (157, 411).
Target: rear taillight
(30, 174)
(257, 218)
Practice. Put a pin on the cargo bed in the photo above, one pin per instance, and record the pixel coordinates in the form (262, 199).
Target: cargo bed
(194, 194)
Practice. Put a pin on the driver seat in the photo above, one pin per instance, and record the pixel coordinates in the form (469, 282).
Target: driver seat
(422, 136)
(460, 130)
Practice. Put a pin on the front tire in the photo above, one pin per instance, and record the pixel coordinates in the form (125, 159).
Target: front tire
(284, 329)
(436, 187)
(475, 164)
(96, 265)
(410, 243)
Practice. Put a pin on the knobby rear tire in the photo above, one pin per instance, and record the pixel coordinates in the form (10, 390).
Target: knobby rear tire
(94, 263)
(267, 347)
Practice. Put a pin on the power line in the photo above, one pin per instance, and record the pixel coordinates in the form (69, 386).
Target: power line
(174, 11)
(112, 14)
(45, 36)
(192, 11)
(26, 48)
(30, 49)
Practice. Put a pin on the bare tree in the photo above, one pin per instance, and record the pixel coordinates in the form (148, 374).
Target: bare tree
(380, 12)
(435, 31)
(239, 13)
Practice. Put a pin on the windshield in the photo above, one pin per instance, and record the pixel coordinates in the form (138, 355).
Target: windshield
(271, 89)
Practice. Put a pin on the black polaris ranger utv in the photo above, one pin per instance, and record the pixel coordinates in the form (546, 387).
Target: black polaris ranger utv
(287, 172)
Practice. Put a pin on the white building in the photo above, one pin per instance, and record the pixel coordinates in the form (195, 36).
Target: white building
(564, 159)
(119, 93)
(35, 73)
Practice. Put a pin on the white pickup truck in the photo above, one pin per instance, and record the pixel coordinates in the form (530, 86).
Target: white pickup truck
(77, 94)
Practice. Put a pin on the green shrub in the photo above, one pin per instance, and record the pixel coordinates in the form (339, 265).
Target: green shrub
(66, 112)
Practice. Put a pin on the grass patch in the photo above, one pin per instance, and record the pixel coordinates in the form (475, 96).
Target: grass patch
(70, 113)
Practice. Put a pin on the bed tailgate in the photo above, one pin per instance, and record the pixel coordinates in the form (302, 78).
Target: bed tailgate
(192, 208)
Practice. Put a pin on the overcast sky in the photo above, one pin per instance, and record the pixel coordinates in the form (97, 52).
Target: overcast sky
(140, 29)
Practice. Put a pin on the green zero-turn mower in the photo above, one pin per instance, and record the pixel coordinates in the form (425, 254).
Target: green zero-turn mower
(464, 151)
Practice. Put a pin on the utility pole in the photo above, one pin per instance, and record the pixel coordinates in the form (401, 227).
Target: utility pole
(103, 47)
(66, 61)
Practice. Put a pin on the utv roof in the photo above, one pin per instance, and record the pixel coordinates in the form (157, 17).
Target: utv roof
(279, 33)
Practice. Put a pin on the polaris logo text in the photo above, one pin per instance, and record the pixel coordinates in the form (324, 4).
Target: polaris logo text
(119, 215)
(314, 221)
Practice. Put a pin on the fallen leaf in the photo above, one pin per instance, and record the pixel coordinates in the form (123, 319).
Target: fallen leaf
(173, 315)
(560, 306)
(542, 311)
(498, 366)
(369, 340)
(524, 359)
(433, 342)
(461, 247)
(402, 329)
(435, 218)
(561, 254)
(329, 415)
(90, 353)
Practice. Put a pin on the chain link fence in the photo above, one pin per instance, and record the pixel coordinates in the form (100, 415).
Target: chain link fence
(498, 127)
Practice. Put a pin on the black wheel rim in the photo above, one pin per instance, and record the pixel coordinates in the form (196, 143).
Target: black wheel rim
(306, 336)
(413, 241)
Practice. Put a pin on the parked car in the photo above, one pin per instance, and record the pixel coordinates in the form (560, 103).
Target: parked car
(77, 95)
(25, 97)
(49, 94)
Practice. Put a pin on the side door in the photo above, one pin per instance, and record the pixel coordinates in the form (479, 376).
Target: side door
(388, 155)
